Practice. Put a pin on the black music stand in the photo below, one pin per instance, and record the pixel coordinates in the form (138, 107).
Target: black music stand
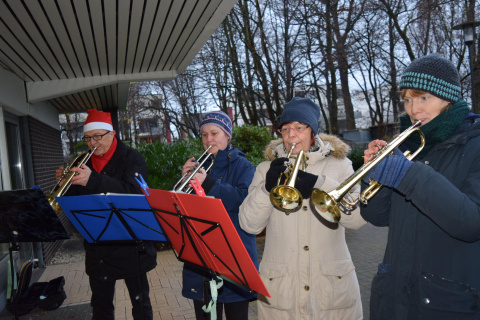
(26, 216)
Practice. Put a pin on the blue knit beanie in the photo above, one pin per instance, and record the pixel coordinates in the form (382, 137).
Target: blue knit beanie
(219, 119)
(433, 74)
(302, 110)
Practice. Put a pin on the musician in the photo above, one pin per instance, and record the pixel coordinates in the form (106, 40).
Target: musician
(431, 205)
(227, 180)
(306, 265)
(112, 168)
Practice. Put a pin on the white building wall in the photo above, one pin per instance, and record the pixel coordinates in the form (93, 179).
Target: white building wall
(13, 100)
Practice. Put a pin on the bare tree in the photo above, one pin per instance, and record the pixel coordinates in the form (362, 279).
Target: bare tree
(266, 50)
(344, 18)
(73, 127)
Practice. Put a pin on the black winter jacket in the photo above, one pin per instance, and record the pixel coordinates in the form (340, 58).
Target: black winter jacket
(431, 267)
(111, 262)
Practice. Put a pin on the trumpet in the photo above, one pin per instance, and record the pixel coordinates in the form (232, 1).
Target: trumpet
(67, 175)
(285, 197)
(327, 204)
(182, 185)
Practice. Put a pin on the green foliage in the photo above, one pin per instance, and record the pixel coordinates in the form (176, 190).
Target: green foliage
(252, 140)
(356, 156)
(165, 161)
(80, 147)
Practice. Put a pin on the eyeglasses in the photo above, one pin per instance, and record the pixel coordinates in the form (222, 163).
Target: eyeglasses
(421, 100)
(298, 129)
(96, 137)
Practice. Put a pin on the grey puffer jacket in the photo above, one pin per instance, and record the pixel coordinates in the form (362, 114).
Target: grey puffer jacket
(306, 266)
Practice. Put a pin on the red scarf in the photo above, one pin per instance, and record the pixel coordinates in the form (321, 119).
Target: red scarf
(99, 162)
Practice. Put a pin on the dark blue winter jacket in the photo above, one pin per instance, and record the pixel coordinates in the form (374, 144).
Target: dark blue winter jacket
(431, 267)
(228, 180)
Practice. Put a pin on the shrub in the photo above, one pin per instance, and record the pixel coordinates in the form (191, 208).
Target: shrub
(165, 161)
(356, 156)
(252, 140)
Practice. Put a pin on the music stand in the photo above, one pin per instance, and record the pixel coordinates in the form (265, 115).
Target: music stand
(112, 217)
(202, 234)
(26, 216)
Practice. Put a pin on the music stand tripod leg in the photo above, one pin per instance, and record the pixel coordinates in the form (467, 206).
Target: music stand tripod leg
(139, 278)
(14, 246)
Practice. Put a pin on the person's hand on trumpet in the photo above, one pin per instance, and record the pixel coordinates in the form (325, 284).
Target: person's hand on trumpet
(82, 176)
(59, 173)
(373, 147)
(305, 183)
(277, 167)
(189, 165)
(201, 175)
(391, 170)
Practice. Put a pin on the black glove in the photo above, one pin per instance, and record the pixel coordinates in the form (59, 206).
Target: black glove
(208, 183)
(305, 183)
(276, 168)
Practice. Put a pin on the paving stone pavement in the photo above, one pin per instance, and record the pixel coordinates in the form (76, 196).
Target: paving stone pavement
(366, 247)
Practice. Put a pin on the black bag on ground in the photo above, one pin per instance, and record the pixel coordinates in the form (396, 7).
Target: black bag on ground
(46, 295)
(53, 294)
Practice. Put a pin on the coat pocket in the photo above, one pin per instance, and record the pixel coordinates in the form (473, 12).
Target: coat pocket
(338, 286)
(276, 280)
(438, 293)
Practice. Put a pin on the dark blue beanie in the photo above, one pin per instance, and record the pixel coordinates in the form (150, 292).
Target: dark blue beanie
(302, 110)
(433, 74)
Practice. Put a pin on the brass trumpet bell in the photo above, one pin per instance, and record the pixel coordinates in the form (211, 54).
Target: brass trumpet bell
(285, 197)
(325, 205)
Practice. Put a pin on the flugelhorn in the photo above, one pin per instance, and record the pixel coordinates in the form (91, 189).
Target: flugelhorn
(65, 181)
(183, 184)
(285, 197)
(327, 204)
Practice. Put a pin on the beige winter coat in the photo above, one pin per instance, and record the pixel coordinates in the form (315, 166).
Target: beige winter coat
(306, 266)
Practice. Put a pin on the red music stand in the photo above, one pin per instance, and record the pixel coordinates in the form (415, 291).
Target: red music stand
(202, 233)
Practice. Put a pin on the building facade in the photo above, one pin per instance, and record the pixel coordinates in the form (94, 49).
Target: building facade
(30, 152)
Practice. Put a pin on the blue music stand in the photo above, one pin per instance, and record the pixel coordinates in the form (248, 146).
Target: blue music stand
(112, 217)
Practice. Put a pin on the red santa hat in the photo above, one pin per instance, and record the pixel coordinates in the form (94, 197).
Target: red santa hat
(98, 120)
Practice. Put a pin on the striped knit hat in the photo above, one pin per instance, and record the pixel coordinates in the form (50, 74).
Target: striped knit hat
(219, 119)
(433, 74)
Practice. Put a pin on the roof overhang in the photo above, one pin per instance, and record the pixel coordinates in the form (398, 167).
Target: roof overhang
(83, 54)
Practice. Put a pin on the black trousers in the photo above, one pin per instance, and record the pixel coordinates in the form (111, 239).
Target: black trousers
(104, 291)
(233, 311)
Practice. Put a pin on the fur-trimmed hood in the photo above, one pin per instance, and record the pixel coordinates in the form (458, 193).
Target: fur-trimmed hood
(329, 145)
